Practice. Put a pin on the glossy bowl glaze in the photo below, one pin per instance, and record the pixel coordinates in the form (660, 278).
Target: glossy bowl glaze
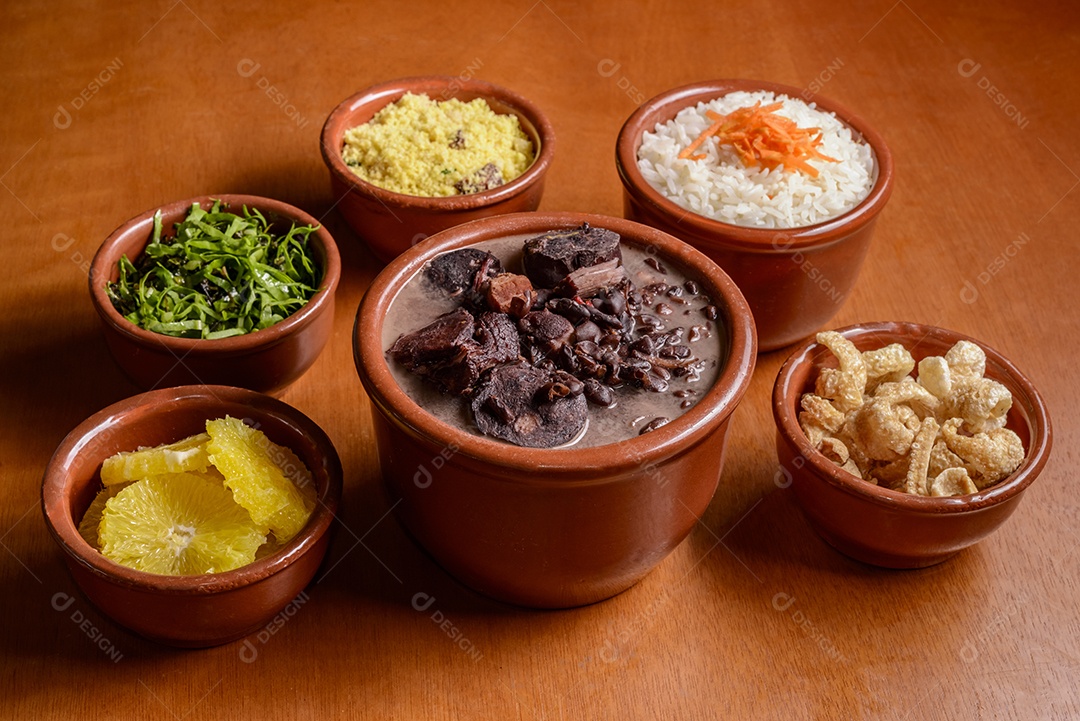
(550, 527)
(267, 360)
(889, 528)
(390, 223)
(795, 279)
(190, 611)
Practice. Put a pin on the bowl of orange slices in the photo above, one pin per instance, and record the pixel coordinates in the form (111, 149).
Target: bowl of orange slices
(193, 515)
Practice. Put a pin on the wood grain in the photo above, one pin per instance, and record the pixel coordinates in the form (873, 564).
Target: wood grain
(114, 108)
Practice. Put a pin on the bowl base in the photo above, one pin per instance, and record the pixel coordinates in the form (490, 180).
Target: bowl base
(882, 559)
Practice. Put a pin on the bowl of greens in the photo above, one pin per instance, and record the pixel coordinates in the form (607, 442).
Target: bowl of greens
(231, 289)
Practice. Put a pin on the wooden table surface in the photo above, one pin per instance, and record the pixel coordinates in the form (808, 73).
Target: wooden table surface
(110, 109)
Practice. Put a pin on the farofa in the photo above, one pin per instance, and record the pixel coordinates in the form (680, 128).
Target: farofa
(418, 146)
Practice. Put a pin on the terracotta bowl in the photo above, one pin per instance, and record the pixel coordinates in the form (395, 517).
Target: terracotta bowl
(550, 527)
(391, 223)
(890, 528)
(267, 360)
(794, 279)
(187, 610)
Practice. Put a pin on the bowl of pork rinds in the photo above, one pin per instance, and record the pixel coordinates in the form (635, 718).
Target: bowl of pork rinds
(905, 443)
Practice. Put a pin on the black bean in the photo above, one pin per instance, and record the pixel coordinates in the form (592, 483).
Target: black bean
(643, 345)
(654, 424)
(674, 336)
(664, 309)
(686, 404)
(684, 393)
(540, 298)
(553, 390)
(571, 310)
(588, 366)
(587, 348)
(675, 351)
(604, 319)
(598, 393)
(692, 287)
(568, 355)
(573, 385)
(651, 322)
(655, 265)
(661, 372)
(674, 291)
(711, 312)
(656, 385)
(616, 302)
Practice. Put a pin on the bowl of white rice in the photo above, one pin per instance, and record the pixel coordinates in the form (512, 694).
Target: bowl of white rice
(781, 188)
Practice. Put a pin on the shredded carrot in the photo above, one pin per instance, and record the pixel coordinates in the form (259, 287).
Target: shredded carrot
(760, 137)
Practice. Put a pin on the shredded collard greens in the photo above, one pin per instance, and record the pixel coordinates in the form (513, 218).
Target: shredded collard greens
(220, 275)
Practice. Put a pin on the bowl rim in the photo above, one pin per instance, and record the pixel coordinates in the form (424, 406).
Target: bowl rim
(58, 513)
(785, 417)
(384, 93)
(569, 465)
(738, 237)
(105, 259)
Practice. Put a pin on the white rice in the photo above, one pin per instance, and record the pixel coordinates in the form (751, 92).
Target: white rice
(722, 188)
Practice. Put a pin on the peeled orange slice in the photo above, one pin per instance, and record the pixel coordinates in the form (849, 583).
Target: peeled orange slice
(178, 524)
(253, 470)
(180, 457)
(88, 526)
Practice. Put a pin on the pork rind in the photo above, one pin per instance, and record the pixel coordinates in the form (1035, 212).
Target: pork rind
(941, 433)
(891, 363)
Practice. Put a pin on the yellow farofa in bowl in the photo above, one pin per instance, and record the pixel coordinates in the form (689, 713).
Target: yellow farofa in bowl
(419, 146)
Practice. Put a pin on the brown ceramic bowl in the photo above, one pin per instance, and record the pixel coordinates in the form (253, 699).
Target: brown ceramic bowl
(187, 610)
(550, 527)
(267, 360)
(794, 279)
(890, 528)
(389, 222)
